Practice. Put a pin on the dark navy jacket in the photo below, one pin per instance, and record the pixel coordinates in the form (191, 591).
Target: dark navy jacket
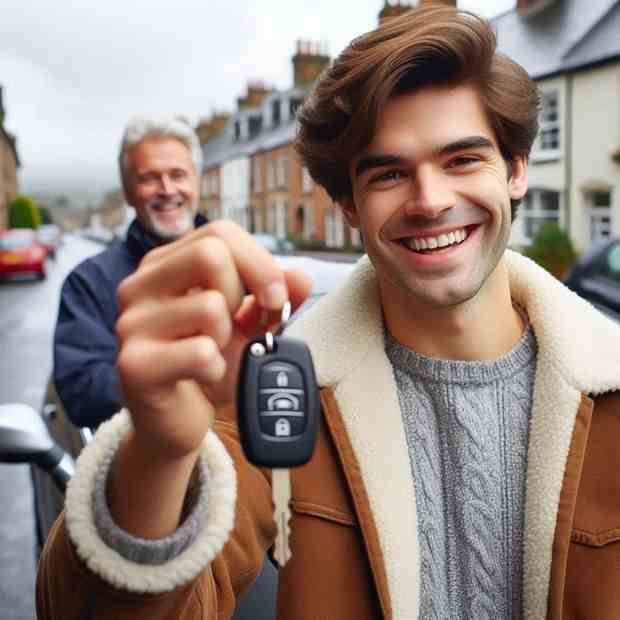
(85, 342)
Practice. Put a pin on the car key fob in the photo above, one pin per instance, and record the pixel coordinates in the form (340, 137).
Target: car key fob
(277, 402)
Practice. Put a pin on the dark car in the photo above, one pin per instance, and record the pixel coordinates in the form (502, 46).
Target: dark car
(596, 277)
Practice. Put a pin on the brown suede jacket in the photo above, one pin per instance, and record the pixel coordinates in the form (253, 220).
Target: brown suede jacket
(354, 532)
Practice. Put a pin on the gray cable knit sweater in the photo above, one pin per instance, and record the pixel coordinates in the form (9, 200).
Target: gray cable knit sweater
(467, 429)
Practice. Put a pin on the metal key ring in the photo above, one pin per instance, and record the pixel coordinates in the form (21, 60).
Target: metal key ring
(286, 315)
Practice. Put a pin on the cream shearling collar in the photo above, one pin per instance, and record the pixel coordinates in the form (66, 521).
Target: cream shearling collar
(578, 351)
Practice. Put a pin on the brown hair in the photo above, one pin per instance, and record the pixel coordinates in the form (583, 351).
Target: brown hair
(427, 45)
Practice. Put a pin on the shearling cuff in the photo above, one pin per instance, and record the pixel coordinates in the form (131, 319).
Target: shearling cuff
(152, 552)
(106, 561)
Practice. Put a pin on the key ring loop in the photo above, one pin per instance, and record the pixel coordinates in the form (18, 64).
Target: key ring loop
(284, 319)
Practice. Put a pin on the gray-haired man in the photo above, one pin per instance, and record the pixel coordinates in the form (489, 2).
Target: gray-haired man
(160, 164)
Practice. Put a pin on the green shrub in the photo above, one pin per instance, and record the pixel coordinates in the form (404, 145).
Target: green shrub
(552, 249)
(24, 213)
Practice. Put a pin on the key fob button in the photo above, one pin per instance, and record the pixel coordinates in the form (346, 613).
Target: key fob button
(281, 375)
(282, 426)
(278, 400)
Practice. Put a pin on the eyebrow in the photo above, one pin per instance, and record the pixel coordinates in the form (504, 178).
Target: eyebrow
(368, 162)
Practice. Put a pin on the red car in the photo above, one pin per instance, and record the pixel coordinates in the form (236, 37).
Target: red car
(21, 254)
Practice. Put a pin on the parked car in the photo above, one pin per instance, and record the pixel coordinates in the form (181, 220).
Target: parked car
(50, 236)
(21, 254)
(48, 498)
(596, 277)
(274, 244)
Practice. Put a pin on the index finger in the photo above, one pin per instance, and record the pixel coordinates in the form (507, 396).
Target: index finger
(220, 256)
(257, 268)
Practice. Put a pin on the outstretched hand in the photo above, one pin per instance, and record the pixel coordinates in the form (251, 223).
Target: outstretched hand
(185, 316)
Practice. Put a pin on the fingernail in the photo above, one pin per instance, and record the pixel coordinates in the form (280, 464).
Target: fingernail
(274, 296)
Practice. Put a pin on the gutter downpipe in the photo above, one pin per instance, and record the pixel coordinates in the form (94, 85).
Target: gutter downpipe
(569, 154)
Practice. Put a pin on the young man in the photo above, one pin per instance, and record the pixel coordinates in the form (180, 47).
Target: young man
(466, 464)
(160, 164)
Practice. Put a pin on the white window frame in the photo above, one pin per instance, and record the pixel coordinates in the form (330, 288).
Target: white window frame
(334, 228)
(271, 174)
(309, 231)
(258, 181)
(281, 220)
(306, 181)
(282, 171)
(549, 123)
(532, 208)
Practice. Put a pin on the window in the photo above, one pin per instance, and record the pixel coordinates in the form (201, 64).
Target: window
(539, 206)
(294, 103)
(255, 126)
(309, 224)
(282, 171)
(258, 181)
(549, 121)
(334, 228)
(600, 214)
(237, 131)
(281, 218)
(271, 175)
(276, 115)
(306, 180)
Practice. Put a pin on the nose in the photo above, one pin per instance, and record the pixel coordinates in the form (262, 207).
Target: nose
(166, 186)
(431, 195)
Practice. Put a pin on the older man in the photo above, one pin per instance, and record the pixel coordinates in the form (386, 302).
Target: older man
(160, 163)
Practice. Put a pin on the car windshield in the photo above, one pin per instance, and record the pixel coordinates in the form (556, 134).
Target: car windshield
(16, 241)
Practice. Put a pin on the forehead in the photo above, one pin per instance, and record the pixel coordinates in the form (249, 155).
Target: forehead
(158, 151)
(429, 118)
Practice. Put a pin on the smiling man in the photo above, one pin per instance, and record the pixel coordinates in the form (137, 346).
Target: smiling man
(466, 466)
(160, 164)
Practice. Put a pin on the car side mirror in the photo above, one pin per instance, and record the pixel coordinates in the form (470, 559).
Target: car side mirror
(24, 438)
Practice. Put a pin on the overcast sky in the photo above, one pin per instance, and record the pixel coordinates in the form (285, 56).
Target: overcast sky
(74, 71)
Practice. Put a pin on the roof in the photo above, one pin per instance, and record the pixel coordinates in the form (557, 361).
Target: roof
(567, 35)
(223, 147)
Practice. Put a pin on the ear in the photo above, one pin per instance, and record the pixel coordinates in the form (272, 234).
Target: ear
(350, 212)
(517, 183)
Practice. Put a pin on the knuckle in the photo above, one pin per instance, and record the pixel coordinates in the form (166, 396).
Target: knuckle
(212, 252)
(205, 352)
(224, 228)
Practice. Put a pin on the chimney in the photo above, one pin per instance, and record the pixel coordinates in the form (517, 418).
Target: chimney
(255, 94)
(529, 8)
(394, 8)
(310, 59)
(208, 128)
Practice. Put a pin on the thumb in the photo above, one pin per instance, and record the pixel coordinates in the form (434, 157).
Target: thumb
(254, 321)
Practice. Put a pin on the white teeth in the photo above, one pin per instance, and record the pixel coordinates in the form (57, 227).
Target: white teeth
(432, 243)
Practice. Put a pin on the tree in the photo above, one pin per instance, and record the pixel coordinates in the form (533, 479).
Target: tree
(24, 213)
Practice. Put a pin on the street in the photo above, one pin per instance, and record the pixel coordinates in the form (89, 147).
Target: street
(27, 315)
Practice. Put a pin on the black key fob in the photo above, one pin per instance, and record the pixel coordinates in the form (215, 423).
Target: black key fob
(277, 402)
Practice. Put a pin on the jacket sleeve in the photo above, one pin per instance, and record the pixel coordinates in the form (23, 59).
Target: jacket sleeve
(79, 576)
(85, 348)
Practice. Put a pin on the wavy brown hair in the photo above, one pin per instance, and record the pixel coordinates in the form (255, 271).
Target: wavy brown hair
(429, 45)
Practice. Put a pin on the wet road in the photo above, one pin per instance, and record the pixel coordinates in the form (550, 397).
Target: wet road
(27, 315)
